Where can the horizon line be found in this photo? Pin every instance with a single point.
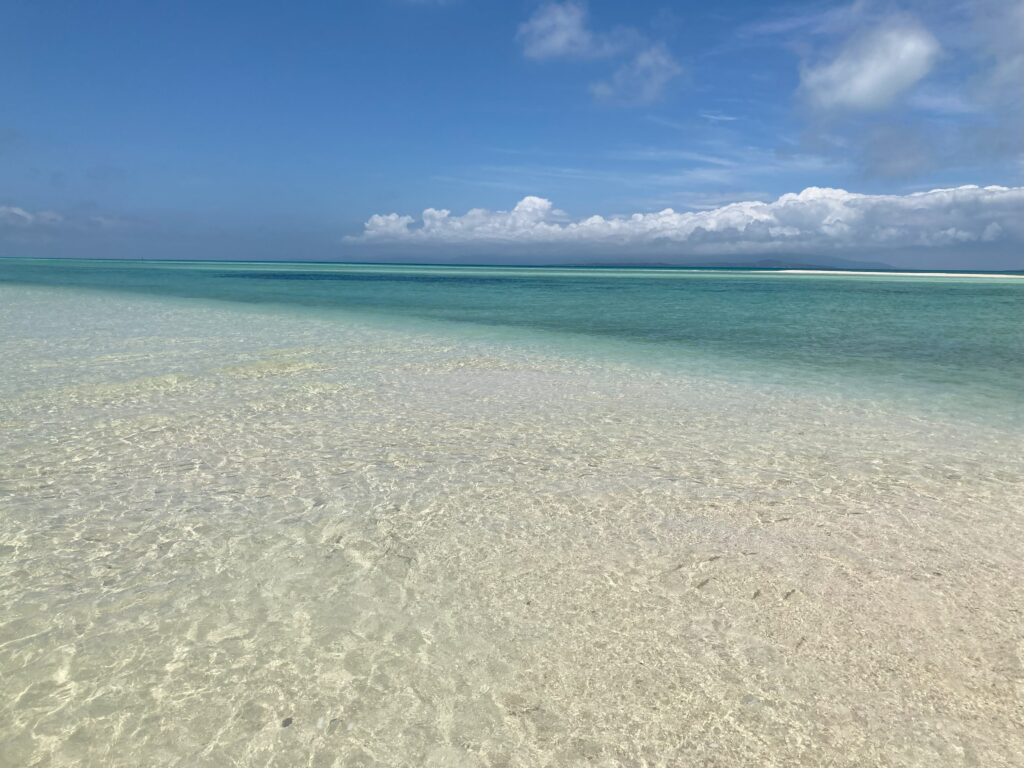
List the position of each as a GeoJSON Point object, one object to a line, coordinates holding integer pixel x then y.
{"type": "Point", "coordinates": [793, 270]}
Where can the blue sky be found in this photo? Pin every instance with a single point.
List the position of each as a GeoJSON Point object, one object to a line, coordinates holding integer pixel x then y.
{"type": "Point", "coordinates": [256, 130]}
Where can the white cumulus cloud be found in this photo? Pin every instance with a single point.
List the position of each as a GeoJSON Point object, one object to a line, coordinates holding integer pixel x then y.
{"type": "Point", "coordinates": [815, 220]}
{"type": "Point", "coordinates": [873, 68]}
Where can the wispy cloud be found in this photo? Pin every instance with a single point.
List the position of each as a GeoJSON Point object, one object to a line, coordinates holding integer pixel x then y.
{"type": "Point", "coordinates": [17, 217]}
{"type": "Point", "coordinates": [687, 173]}
{"type": "Point", "coordinates": [943, 102]}
{"type": "Point", "coordinates": [710, 169]}
{"type": "Point", "coordinates": [716, 117]}
{"type": "Point", "coordinates": [999, 31]}
{"type": "Point", "coordinates": [642, 80]}
{"type": "Point", "coordinates": [562, 30]}
{"type": "Point", "coordinates": [663, 154]}
{"type": "Point", "coordinates": [815, 20]}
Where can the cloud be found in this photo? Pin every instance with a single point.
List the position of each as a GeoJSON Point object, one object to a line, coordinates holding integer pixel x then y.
{"type": "Point", "coordinates": [816, 21]}
{"type": "Point", "coordinates": [11, 216]}
{"type": "Point", "coordinates": [999, 37]}
{"type": "Point", "coordinates": [816, 220]}
{"type": "Point", "coordinates": [716, 117]}
{"type": "Point", "coordinates": [561, 30]}
{"type": "Point", "coordinates": [641, 80]}
{"type": "Point", "coordinates": [16, 221]}
{"type": "Point", "coordinates": [911, 97]}
{"type": "Point", "coordinates": [531, 217]}
{"type": "Point", "coordinates": [873, 68]}
{"type": "Point", "coordinates": [1001, 26]}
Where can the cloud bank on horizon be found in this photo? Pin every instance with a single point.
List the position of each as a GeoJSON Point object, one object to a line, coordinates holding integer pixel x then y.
{"type": "Point", "coordinates": [817, 220]}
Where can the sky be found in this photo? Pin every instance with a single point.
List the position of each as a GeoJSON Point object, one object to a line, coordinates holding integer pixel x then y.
{"type": "Point", "coordinates": [515, 131]}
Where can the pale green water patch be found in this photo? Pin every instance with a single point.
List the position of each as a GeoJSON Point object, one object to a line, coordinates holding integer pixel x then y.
{"type": "Point", "coordinates": [941, 343]}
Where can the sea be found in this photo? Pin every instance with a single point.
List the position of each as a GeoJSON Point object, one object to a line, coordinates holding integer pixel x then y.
{"type": "Point", "coordinates": [280, 514]}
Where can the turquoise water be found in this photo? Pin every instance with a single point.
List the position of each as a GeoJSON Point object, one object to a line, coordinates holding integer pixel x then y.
{"type": "Point", "coordinates": [280, 515]}
{"type": "Point", "coordinates": [945, 342]}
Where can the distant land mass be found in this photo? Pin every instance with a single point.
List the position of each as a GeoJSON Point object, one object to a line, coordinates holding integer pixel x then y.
{"type": "Point", "coordinates": [784, 263]}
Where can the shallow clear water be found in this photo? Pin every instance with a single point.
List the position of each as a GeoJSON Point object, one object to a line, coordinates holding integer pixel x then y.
{"type": "Point", "coordinates": [418, 521]}
{"type": "Point", "coordinates": [958, 342]}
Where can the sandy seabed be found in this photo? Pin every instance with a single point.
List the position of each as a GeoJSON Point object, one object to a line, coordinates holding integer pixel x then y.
{"type": "Point", "coordinates": [241, 537]}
